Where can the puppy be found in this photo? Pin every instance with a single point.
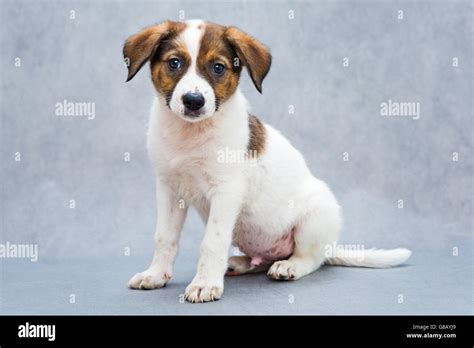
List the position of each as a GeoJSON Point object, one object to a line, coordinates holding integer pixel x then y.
{"type": "Point", "coordinates": [251, 187]}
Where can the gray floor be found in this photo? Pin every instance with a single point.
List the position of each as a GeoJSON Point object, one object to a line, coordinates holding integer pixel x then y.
{"type": "Point", "coordinates": [430, 283]}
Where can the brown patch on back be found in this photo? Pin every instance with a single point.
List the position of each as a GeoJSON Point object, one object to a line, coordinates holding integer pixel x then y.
{"type": "Point", "coordinates": [257, 136]}
{"type": "Point", "coordinates": [214, 49]}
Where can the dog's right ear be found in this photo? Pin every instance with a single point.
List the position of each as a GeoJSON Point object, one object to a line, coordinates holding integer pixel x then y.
{"type": "Point", "coordinates": [139, 48]}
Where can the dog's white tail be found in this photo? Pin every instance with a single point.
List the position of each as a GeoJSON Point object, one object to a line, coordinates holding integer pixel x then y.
{"type": "Point", "coordinates": [373, 258]}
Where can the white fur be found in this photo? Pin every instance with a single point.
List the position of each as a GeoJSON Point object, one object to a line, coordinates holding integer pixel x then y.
{"type": "Point", "coordinates": [251, 200]}
{"type": "Point", "coordinates": [191, 81]}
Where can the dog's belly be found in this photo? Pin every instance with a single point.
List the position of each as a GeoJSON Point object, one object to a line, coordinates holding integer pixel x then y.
{"type": "Point", "coordinates": [261, 245]}
{"type": "Point", "coordinates": [266, 251]}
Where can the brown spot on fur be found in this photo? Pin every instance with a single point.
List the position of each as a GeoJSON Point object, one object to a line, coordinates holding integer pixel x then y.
{"type": "Point", "coordinates": [139, 48]}
{"type": "Point", "coordinates": [214, 49]}
{"type": "Point", "coordinates": [163, 78]}
{"type": "Point", "coordinates": [257, 136]}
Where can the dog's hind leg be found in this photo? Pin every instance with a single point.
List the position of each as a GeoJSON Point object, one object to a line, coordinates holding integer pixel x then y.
{"type": "Point", "coordinates": [317, 230]}
{"type": "Point", "coordinates": [238, 265]}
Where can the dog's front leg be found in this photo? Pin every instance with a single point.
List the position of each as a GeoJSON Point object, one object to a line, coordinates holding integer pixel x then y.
{"type": "Point", "coordinates": [171, 213]}
{"type": "Point", "coordinates": [208, 283]}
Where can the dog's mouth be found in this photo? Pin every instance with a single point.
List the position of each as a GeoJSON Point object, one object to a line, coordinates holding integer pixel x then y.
{"type": "Point", "coordinates": [193, 113]}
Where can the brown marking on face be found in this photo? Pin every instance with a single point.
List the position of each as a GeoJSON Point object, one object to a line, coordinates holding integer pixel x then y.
{"type": "Point", "coordinates": [164, 79]}
{"type": "Point", "coordinates": [140, 48]}
{"type": "Point", "coordinates": [257, 136]}
{"type": "Point", "coordinates": [215, 49]}
{"type": "Point", "coordinates": [219, 45]}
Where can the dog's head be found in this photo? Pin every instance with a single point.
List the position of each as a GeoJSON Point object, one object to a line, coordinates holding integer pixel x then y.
{"type": "Point", "coordinates": [196, 65]}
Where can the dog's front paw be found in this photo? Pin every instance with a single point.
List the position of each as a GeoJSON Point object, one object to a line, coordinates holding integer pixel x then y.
{"type": "Point", "coordinates": [203, 293]}
{"type": "Point", "coordinates": [149, 280]}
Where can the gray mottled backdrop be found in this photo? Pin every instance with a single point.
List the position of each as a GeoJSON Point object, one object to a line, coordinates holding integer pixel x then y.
{"type": "Point", "coordinates": [401, 181]}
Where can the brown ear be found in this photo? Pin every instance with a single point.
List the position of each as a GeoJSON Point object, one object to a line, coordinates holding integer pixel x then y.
{"type": "Point", "coordinates": [139, 48]}
{"type": "Point", "coordinates": [252, 53]}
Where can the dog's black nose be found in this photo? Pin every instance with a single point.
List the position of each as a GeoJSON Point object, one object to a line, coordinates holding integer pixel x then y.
{"type": "Point", "coordinates": [193, 100]}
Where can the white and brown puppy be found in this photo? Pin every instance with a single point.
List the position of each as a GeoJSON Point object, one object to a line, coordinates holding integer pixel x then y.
{"type": "Point", "coordinates": [248, 183]}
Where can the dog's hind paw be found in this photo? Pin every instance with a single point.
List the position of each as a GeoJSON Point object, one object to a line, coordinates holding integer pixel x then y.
{"type": "Point", "coordinates": [283, 270]}
{"type": "Point", "coordinates": [238, 265]}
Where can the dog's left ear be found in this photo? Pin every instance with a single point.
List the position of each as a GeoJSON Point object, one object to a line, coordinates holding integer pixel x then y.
{"type": "Point", "coordinates": [139, 48]}
{"type": "Point", "coordinates": [252, 53]}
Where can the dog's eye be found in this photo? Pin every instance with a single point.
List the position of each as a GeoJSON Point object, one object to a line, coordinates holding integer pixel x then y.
{"type": "Point", "coordinates": [174, 64]}
{"type": "Point", "coordinates": [218, 69]}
